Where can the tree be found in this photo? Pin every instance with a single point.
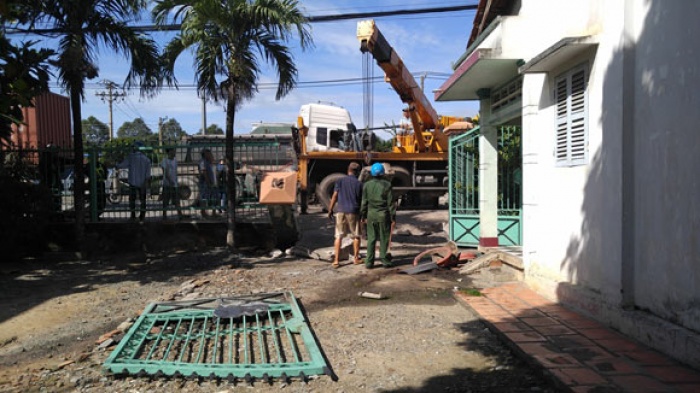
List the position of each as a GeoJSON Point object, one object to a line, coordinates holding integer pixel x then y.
{"type": "Point", "coordinates": [172, 131]}
{"type": "Point", "coordinates": [134, 129]}
{"type": "Point", "coordinates": [95, 132]}
{"type": "Point", "coordinates": [213, 129]}
{"type": "Point", "coordinates": [81, 28]}
{"type": "Point", "coordinates": [384, 145]}
{"type": "Point", "coordinates": [228, 38]}
{"type": "Point", "coordinates": [24, 71]}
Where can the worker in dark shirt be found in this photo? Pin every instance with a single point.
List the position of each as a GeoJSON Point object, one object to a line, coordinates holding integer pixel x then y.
{"type": "Point", "coordinates": [377, 209]}
{"type": "Point", "coordinates": [347, 193]}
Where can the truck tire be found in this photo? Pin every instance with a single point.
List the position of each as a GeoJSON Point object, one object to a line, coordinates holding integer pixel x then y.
{"type": "Point", "coordinates": [189, 192]}
{"type": "Point", "coordinates": [324, 190]}
{"type": "Point", "coordinates": [114, 198]}
{"type": "Point", "coordinates": [401, 178]}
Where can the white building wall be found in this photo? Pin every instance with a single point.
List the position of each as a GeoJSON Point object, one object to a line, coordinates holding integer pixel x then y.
{"type": "Point", "coordinates": [624, 229]}
{"type": "Point", "coordinates": [571, 214]}
{"type": "Point", "coordinates": [575, 219]}
{"type": "Point", "coordinates": [667, 155]}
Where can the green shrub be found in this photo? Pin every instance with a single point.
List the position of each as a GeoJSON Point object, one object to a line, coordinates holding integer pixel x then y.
{"type": "Point", "coordinates": [25, 210]}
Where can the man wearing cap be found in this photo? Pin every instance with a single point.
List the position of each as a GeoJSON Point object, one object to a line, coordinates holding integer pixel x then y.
{"type": "Point", "coordinates": [379, 212]}
{"type": "Point", "coordinates": [139, 179]}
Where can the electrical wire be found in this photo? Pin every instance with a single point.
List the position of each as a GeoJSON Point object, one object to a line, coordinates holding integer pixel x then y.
{"type": "Point", "coordinates": [311, 19]}
{"type": "Point", "coordinates": [303, 84]}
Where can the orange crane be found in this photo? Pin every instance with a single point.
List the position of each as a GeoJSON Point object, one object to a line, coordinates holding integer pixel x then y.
{"type": "Point", "coordinates": [428, 127]}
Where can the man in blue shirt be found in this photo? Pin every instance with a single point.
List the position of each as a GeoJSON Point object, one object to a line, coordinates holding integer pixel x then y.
{"type": "Point", "coordinates": [348, 194]}
{"type": "Point", "coordinates": [139, 167]}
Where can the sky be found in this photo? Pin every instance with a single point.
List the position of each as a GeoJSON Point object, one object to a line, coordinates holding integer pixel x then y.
{"type": "Point", "coordinates": [427, 43]}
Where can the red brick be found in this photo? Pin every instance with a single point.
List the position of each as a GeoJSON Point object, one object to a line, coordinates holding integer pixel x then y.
{"type": "Point", "coordinates": [531, 313]}
{"type": "Point", "coordinates": [502, 318]}
{"type": "Point", "coordinates": [512, 285]}
{"type": "Point", "coordinates": [540, 321]}
{"type": "Point", "coordinates": [581, 323]}
{"type": "Point", "coordinates": [618, 345]}
{"type": "Point", "coordinates": [553, 309]}
{"type": "Point", "coordinates": [648, 358]}
{"type": "Point", "coordinates": [639, 384]}
{"type": "Point", "coordinates": [564, 314]}
{"type": "Point", "coordinates": [506, 327]}
{"type": "Point", "coordinates": [599, 334]}
{"type": "Point", "coordinates": [534, 349]}
{"type": "Point", "coordinates": [588, 354]}
{"type": "Point", "coordinates": [556, 361]}
{"type": "Point", "coordinates": [674, 374]}
{"type": "Point", "coordinates": [613, 366]}
{"type": "Point", "coordinates": [490, 310]}
{"type": "Point", "coordinates": [554, 330]}
{"type": "Point", "coordinates": [570, 341]}
{"type": "Point", "coordinates": [525, 337]}
{"type": "Point", "coordinates": [578, 376]}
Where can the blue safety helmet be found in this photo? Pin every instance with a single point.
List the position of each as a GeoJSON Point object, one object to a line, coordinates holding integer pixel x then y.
{"type": "Point", "coordinates": [377, 169]}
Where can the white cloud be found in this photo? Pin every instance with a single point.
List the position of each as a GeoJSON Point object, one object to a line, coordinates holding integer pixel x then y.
{"type": "Point", "coordinates": [425, 43]}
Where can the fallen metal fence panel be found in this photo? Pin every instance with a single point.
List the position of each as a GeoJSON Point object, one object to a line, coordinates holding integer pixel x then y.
{"type": "Point", "coordinates": [257, 336]}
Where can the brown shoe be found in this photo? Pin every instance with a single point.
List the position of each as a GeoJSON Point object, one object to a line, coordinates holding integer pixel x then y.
{"type": "Point", "coordinates": [335, 265]}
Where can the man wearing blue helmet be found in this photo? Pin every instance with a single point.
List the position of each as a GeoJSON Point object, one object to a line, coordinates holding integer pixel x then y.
{"type": "Point", "coordinates": [379, 212]}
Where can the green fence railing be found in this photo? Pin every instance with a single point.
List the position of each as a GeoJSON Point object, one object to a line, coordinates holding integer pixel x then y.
{"type": "Point", "coordinates": [107, 192]}
{"type": "Point", "coordinates": [464, 187]}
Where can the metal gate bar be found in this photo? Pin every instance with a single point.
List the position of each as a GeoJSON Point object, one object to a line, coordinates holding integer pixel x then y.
{"type": "Point", "coordinates": [187, 339]}
{"type": "Point", "coordinates": [464, 187]}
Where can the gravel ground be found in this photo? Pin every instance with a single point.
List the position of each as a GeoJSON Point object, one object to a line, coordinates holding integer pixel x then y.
{"type": "Point", "coordinates": [418, 339]}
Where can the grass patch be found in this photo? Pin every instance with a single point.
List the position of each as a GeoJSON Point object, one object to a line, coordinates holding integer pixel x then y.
{"type": "Point", "coordinates": [470, 291]}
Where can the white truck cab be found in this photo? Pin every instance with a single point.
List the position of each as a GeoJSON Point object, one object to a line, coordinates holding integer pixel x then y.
{"type": "Point", "coordinates": [328, 126]}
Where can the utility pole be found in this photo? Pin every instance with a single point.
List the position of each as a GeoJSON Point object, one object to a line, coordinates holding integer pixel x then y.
{"type": "Point", "coordinates": [160, 131]}
{"type": "Point", "coordinates": [161, 121]}
{"type": "Point", "coordinates": [204, 114]}
{"type": "Point", "coordinates": [110, 96]}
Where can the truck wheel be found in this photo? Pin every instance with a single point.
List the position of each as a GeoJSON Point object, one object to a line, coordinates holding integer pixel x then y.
{"type": "Point", "coordinates": [401, 178]}
{"type": "Point", "coordinates": [114, 198]}
{"type": "Point", "coordinates": [241, 191]}
{"type": "Point", "coordinates": [189, 192]}
{"type": "Point", "coordinates": [324, 190]}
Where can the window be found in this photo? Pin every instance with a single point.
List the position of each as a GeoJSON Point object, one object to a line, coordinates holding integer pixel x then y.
{"type": "Point", "coordinates": [571, 98]}
{"type": "Point", "coordinates": [322, 136]}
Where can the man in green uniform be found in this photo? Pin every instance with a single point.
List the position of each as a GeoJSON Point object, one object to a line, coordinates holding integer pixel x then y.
{"type": "Point", "coordinates": [379, 212]}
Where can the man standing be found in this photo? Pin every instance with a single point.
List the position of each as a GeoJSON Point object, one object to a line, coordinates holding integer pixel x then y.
{"type": "Point", "coordinates": [347, 193]}
{"type": "Point", "coordinates": [208, 186]}
{"type": "Point", "coordinates": [139, 179]}
{"type": "Point", "coordinates": [170, 190]}
{"type": "Point", "coordinates": [379, 211]}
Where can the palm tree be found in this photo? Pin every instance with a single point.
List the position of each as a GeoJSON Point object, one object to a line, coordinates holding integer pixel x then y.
{"type": "Point", "coordinates": [81, 27]}
{"type": "Point", "coordinates": [228, 37]}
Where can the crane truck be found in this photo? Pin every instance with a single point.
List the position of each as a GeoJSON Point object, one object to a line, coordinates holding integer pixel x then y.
{"type": "Point", "coordinates": [326, 140]}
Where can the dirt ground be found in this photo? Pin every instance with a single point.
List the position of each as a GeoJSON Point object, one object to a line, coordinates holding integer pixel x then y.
{"type": "Point", "coordinates": [418, 339]}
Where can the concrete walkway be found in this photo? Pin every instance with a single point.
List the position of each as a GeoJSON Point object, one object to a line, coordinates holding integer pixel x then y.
{"type": "Point", "coordinates": [578, 352]}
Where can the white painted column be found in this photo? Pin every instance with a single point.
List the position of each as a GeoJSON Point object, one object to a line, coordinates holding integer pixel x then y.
{"type": "Point", "coordinates": [488, 174]}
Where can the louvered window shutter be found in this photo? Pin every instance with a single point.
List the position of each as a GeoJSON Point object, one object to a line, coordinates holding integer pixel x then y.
{"type": "Point", "coordinates": [571, 145]}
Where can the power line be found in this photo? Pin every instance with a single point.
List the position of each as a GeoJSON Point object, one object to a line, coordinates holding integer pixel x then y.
{"type": "Point", "coordinates": [311, 19]}
{"type": "Point", "coordinates": [307, 84]}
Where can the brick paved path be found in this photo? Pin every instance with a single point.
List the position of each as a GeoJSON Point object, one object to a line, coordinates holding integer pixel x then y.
{"type": "Point", "coordinates": [580, 353]}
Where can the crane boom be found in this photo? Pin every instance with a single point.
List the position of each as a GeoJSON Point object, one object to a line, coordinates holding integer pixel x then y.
{"type": "Point", "coordinates": [423, 116]}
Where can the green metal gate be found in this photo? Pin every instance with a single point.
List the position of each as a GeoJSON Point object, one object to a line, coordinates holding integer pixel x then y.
{"type": "Point", "coordinates": [259, 336]}
{"type": "Point", "coordinates": [464, 187]}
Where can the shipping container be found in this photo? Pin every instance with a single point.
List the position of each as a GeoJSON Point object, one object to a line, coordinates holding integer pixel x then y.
{"type": "Point", "coordinates": [48, 122]}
